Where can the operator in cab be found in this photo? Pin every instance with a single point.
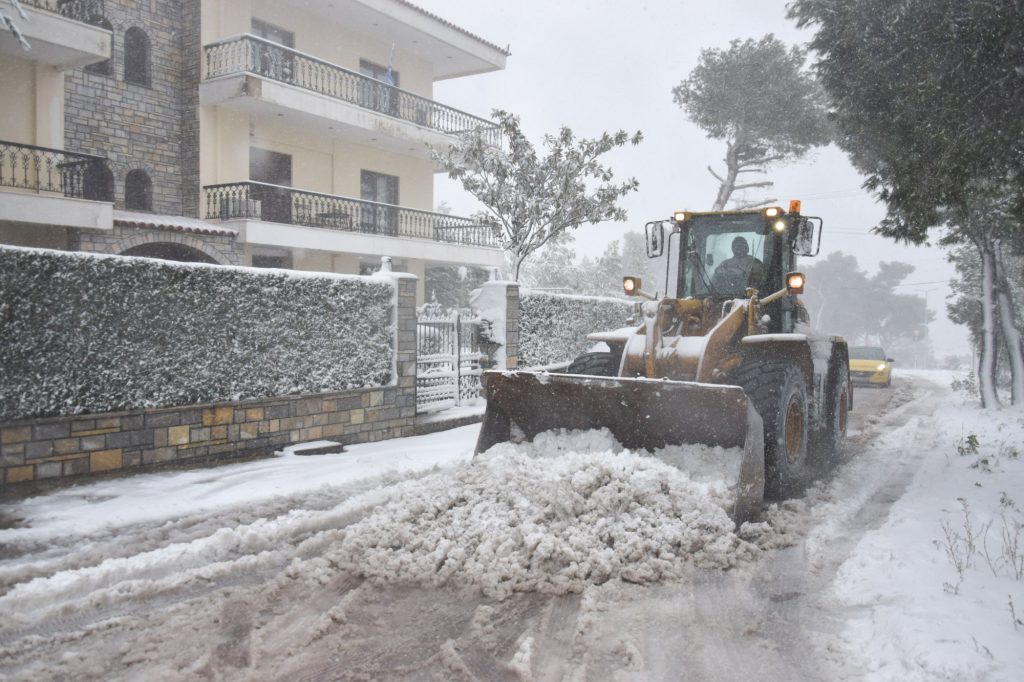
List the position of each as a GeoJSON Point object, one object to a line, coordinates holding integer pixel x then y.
{"type": "Point", "coordinates": [735, 274]}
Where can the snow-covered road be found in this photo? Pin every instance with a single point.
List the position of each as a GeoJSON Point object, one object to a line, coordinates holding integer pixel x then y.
{"type": "Point", "coordinates": [354, 566]}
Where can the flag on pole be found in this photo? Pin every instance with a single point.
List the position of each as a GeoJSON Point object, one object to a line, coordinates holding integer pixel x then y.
{"type": "Point", "coordinates": [389, 75]}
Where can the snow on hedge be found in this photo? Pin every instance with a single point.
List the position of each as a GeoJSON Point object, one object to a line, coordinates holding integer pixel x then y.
{"type": "Point", "coordinates": [568, 510]}
{"type": "Point", "coordinates": [553, 328]}
{"type": "Point", "coordinates": [85, 333]}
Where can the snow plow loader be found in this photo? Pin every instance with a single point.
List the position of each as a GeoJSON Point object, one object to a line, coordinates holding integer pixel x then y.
{"type": "Point", "coordinates": [712, 362]}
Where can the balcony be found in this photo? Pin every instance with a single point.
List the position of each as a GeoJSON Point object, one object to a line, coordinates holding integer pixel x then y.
{"type": "Point", "coordinates": [66, 34]}
{"type": "Point", "coordinates": [276, 204]}
{"type": "Point", "coordinates": [257, 76]}
{"type": "Point", "coordinates": [293, 218]}
{"type": "Point", "coordinates": [55, 187]}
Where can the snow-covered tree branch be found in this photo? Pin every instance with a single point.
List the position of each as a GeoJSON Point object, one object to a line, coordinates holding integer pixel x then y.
{"type": "Point", "coordinates": [531, 199]}
{"type": "Point", "coordinates": [9, 23]}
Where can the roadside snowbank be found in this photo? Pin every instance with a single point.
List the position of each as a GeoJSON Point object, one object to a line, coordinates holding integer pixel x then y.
{"type": "Point", "coordinates": [552, 516]}
{"type": "Point", "coordinates": [926, 603]}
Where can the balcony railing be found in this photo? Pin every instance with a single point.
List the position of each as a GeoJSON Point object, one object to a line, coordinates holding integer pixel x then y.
{"type": "Point", "coordinates": [86, 11]}
{"type": "Point", "coordinates": [277, 204]}
{"type": "Point", "coordinates": [38, 169]}
{"type": "Point", "coordinates": [248, 53]}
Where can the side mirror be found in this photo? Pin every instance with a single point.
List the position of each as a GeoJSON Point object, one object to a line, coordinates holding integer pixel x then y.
{"type": "Point", "coordinates": [890, 359]}
{"type": "Point", "coordinates": [655, 238]}
{"type": "Point", "coordinates": [807, 237]}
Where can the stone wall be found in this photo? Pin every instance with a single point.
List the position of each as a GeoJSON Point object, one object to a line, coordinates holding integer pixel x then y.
{"type": "Point", "coordinates": [224, 249]}
{"type": "Point", "coordinates": [69, 446]}
{"type": "Point", "coordinates": [56, 447]}
{"type": "Point", "coordinates": [151, 128]}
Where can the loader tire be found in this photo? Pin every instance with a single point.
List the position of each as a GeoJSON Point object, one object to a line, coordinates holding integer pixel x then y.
{"type": "Point", "coordinates": [827, 442]}
{"type": "Point", "coordinates": [600, 364]}
{"type": "Point", "coordinates": [779, 394]}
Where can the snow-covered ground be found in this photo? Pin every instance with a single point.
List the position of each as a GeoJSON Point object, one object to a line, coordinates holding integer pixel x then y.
{"type": "Point", "coordinates": [937, 591]}
{"type": "Point", "coordinates": [568, 558]}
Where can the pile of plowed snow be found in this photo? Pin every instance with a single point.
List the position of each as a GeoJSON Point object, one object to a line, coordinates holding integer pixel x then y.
{"type": "Point", "coordinates": [568, 510]}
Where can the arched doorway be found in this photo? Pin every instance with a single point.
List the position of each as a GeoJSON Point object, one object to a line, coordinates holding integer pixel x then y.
{"type": "Point", "coordinates": [169, 251]}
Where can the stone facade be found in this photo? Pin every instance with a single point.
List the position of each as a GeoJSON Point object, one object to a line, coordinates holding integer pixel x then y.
{"type": "Point", "coordinates": [223, 249]}
{"type": "Point", "coordinates": [154, 128]}
{"type": "Point", "coordinates": [56, 447]}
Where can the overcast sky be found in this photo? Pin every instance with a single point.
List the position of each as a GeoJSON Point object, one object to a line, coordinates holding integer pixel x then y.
{"type": "Point", "coordinates": [602, 65]}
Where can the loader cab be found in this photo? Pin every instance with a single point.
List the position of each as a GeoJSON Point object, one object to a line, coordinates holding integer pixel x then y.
{"type": "Point", "coordinates": [720, 255]}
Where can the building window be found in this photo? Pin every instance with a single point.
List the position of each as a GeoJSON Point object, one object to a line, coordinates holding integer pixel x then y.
{"type": "Point", "coordinates": [104, 68]}
{"type": "Point", "coordinates": [99, 183]}
{"type": "Point", "coordinates": [272, 168]}
{"type": "Point", "coordinates": [378, 94]}
{"type": "Point", "coordinates": [274, 34]}
{"type": "Point", "coordinates": [263, 260]}
{"type": "Point", "coordinates": [138, 191]}
{"type": "Point", "coordinates": [381, 189]}
{"type": "Point", "coordinates": [136, 57]}
{"type": "Point", "coordinates": [274, 62]}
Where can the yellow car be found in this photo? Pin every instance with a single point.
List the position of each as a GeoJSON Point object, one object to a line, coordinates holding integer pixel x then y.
{"type": "Point", "coordinates": [868, 365]}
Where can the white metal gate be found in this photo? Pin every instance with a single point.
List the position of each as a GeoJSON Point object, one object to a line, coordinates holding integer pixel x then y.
{"type": "Point", "coordinates": [447, 360]}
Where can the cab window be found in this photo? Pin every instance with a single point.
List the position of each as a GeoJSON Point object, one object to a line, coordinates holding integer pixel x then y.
{"type": "Point", "coordinates": [724, 257]}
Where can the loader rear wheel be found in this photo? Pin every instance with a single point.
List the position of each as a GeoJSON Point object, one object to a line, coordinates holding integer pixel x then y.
{"type": "Point", "coordinates": [599, 364]}
{"type": "Point", "coordinates": [779, 394]}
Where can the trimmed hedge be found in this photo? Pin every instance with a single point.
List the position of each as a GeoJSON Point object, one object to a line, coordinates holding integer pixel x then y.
{"type": "Point", "coordinates": [83, 333]}
{"type": "Point", "coordinates": [553, 328]}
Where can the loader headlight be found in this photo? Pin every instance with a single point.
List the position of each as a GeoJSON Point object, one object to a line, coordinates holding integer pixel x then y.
{"type": "Point", "coordinates": [680, 216]}
{"type": "Point", "coordinates": [631, 285]}
{"type": "Point", "coordinates": [779, 226]}
{"type": "Point", "coordinates": [772, 212]}
{"type": "Point", "coordinates": [881, 367]}
{"type": "Point", "coordinates": [795, 283]}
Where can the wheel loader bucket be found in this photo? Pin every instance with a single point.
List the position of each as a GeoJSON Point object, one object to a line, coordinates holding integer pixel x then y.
{"type": "Point", "coordinates": [642, 414]}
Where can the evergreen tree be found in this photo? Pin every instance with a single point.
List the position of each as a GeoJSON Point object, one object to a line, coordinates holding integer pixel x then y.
{"type": "Point", "coordinates": [756, 97]}
{"type": "Point", "coordinates": [928, 102]}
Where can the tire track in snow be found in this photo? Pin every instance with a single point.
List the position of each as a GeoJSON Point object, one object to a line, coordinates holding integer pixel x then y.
{"type": "Point", "coordinates": [711, 624]}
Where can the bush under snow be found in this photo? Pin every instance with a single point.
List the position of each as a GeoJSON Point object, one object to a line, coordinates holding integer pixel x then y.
{"type": "Point", "coordinates": [84, 333]}
{"type": "Point", "coordinates": [553, 328]}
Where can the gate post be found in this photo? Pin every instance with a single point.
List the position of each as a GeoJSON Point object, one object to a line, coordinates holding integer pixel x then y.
{"type": "Point", "coordinates": [498, 304]}
{"type": "Point", "coordinates": [405, 356]}
{"type": "Point", "coordinates": [458, 358]}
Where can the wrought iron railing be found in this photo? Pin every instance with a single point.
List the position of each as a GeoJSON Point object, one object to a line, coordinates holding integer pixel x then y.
{"type": "Point", "coordinates": [274, 203]}
{"type": "Point", "coordinates": [86, 11]}
{"type": "Point", "coordinates": [248, 53]}
{"type": "Point", "coordinates": [38, 169]}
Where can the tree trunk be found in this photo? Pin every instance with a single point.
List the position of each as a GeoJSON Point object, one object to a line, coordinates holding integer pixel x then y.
{"type": "Point", "coordinates": [1011, 335]}
{"type": "Point", "coordinates": [725, 189]}
{"type": "Point", "coordinates": [518, 265]}
{"type": "Point", "coordinates": [987, 361]}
